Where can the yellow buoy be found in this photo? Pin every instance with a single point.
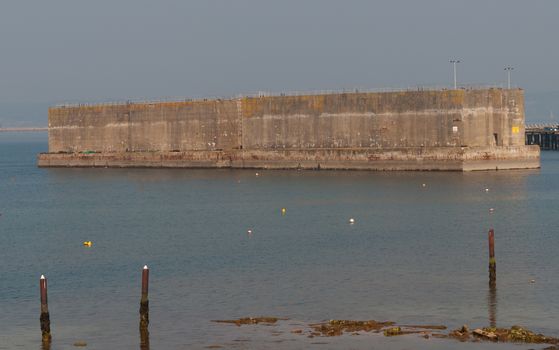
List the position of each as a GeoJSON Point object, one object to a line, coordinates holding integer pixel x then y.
{"type": "Point", "coordinates": [283, 211]}
{"type": "Point", "coordinates": [88, 243]}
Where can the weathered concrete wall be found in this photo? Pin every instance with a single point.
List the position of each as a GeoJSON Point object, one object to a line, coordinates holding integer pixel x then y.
{"type": "Point", "coordinates": [410, 158]}
{"type": "Point", "coordinates": [198, 125]}
{"type": "Point", "coordinates": [411, 130]}
{"type": "Point", "coordinates": [385, 120]}
{"type": "Point", "coordinates": [499, 120]}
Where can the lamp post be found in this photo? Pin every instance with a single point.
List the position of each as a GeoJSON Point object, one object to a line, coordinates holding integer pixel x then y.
{"type": "Point", "coordinates": [454, 62]}
{"type": "Point", "coordinates": [508, 70]}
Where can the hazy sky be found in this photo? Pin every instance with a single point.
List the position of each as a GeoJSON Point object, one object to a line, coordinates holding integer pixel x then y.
{"type": "Point", "coordinates": [70, 50]}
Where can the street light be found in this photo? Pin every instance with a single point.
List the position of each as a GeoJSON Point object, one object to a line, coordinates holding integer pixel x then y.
{"type": "Point", "coordinates": [454, 63]}
{"type": "Point", "coordinates": [508, 70]}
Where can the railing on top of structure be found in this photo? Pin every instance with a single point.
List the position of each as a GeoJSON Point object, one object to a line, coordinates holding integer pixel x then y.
{"type": "Point", "coordinates": [285, 93]}
{"type": "Point", "coordinates": [542, 127]}
{"type": "Point", "coordinates": [545, 135]}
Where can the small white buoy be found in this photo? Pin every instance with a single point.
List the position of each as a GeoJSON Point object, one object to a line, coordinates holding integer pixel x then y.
{"type": "Point", "coordinates": [487, 190]}
{"type": "Point", "coordinates": [491, 210]}
{"type": "Point", "coordinates": [352, 221]}
{"type": "Point", "coordinates": [249, 231]}
{"type": "Point", "coordinates": [532, 281]}
{"type": "Point", "coordinates": [423, 185]}
{"type": "Point", "coordinates": [257, 174]}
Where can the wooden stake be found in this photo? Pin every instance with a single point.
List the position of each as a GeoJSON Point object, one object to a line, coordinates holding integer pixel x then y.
{"type": "Point", "coordinates": [45, 317]}
{"type": "Point", "coordinates": [492, 304]}
{"type": "Point", "coordinates": [144, 302]}
{"type": "Point", "coordinates": [144, 338]}
{"type": "Point", "coordinates": [492, 261]}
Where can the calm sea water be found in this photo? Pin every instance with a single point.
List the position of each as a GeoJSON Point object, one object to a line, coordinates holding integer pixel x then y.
{"type": "Point", "coordinates": [414, 255]}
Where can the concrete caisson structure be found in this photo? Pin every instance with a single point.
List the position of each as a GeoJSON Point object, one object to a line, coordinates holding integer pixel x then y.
{"type": "Point", "coordinates": [463, 129]}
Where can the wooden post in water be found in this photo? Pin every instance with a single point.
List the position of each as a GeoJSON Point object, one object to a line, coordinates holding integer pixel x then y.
{"type": "Point", "coordinates": [144, 310]}
{"type": "Point", "coordinates": [492, 262]}
{"type": "Point", "coordinates": [492, 304]}
{"type": "Point", "coordinates": [45, 317]}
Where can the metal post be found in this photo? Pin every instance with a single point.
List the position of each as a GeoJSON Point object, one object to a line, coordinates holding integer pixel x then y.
{"type": "Point", "coordinates": [454, 62]}
{"type": "Point", "coordinates": [508, 70]}
{"type": "Point", "coordinates": [454, 75]}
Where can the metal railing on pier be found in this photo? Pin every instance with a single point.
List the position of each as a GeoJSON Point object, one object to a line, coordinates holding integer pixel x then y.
{"type": "Point", "coordinates": [546, 135]}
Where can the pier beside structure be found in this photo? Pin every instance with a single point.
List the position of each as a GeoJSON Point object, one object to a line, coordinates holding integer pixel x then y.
{"type": "Point", "coordinates": [460, 130]}
{"type": "Point", "coordinates": [544, 135]}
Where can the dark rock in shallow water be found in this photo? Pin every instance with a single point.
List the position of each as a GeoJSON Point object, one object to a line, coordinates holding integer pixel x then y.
{"type": "Point", "coordinates": [462, 334]}
{"type": "Point", "coordinates": [251, 320]}
{"type": "Point", "coordinates": [390, 332]}
{"type": "Point", "coordinates": [338, 327]}
{"type": "Point", "coordinates": [515, 334]}
{"type": "Point", "coordinates": [332, 328]}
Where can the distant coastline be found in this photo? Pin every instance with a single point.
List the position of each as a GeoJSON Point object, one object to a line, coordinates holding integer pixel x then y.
{"type": "Point", "coordinates": [23, 129]}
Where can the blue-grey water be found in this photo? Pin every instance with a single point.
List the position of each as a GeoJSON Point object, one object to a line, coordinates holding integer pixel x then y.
{"type": "Point", "coordinates": [416, 254]}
